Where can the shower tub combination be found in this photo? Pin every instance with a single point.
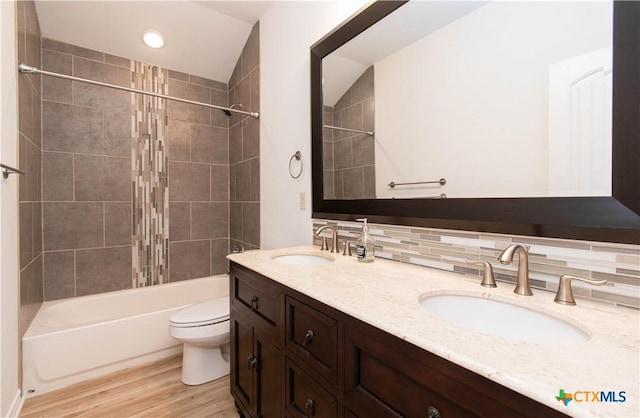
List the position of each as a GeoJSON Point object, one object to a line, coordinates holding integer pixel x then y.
{"type": "Point", "coordinates": [72, 340]}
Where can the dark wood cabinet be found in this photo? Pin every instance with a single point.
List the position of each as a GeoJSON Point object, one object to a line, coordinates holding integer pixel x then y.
{"type": "Point", "coordinates": [296, 357]}
{"type": "Point", "coordinates": [257, 360]}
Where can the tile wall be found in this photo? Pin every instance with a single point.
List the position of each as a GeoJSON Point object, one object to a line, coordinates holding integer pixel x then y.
{"type": "Point", "coordinates": [349, 158]}
{"type": "Point", "coordinates": [549, 258]}
{"type": "Point", "coordinates": [30, 157]}
{"type": "Point", "coordinates": [244, 147]}
{"type": "Point", "coordinates": [86, 171]}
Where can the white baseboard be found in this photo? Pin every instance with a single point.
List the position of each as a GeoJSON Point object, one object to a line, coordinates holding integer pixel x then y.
{"type": "Point", "coordinates": [16, 405]}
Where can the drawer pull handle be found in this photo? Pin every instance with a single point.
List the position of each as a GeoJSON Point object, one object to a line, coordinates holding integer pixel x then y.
{"type": "Point", "coordinates": [308, 337]}
{"type": "Point", "coordinates": [254, 303]}
{"type": "Point", "coordinates": [252, 361]}
{"type": "Point", "coordinates": [308, 407]}
{"type": "Point", "coordinates": [432, 412]}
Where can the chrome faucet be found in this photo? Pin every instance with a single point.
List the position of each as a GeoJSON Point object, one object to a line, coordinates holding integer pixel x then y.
{"type": "Point", "coordinates": [334, 237]}
{"type": "Point", "coordinates": [522, 285]}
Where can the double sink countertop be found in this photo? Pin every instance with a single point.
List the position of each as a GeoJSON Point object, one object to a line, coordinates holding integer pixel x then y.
{"type": "Point", "coordinates": [386, 295]}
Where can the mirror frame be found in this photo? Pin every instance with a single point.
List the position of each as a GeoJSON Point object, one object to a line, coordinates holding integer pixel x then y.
{"type": "Point", "coordinates": [607, 219]}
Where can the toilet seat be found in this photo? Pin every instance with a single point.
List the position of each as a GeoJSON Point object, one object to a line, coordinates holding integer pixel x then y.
{"type": "Point", "coordinates": [202, 314]}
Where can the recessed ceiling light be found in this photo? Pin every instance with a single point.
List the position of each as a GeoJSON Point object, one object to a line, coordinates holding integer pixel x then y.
{"type": "Point", "coordinates": [153, 38]}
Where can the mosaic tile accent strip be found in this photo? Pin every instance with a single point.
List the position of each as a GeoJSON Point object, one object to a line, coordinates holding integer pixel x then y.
{"type": "Point", "coordinates": [549, 258]}
{"type": "Point", "coordinates": [150, 184]}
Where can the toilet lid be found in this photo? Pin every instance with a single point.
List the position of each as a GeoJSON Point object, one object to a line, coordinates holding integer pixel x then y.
{"type": "Point", "coordinates": [205, 313]}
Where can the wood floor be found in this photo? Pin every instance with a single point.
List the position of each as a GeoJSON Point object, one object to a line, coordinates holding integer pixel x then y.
{"type": "Point", "coordinates": [152, 390]}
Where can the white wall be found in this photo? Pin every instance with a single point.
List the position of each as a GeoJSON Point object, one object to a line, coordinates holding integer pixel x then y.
{"type": "Point", "coordinates": [9, 391]}
{"type": "Point", "coordinates": [431, 110]}
{"type": "Point", "coordinates": [287, 31]}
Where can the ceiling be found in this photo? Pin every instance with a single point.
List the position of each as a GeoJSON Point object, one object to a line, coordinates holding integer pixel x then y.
{"type": "Point", "coordinates": [203, 38]}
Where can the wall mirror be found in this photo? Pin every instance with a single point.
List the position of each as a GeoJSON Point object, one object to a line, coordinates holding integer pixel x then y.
{"type": "Point", "coordinates": [512, 117]}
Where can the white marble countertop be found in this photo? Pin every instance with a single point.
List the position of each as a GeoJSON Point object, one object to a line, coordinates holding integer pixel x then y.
{"type": "Point", "coordinates": [385, 294]}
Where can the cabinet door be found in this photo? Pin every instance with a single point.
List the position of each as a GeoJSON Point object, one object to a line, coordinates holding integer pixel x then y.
{"type": "Point", "coordinates": [304, 397]}
{"type": "Point", "coordinates": [241, 364]}
{"type": "Point", "coordinates": [269, 380]}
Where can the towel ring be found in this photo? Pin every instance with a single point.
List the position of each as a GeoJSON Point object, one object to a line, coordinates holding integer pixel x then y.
{"type": "Point", "coordinates": [298, 157]}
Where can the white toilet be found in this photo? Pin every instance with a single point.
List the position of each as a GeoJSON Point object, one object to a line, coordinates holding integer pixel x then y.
{"type": "Point", "coordinates": [204, 330]}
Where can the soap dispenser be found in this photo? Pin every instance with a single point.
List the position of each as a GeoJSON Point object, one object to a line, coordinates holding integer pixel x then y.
{"type": "Point", "coordinates": [365, 245]}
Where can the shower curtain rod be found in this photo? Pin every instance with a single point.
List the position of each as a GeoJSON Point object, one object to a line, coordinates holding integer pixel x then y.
{"type": "Point", "coordinates": [23, 68]}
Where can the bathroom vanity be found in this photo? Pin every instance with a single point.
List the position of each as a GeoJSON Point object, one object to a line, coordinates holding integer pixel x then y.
{"type": "Point", "coordinates": [345, 339]}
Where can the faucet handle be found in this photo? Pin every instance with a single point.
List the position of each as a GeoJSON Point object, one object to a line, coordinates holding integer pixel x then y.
{"type": "Point", "coordinates": [564, 296]}
{"type": "Point", "coordinates": [347, 248]}
{"type": "Point", "coordinates": [487, 279]}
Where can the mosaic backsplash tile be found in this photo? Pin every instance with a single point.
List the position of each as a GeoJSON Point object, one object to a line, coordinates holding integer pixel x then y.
{"type": "Point", "coordinates": [549, 258]}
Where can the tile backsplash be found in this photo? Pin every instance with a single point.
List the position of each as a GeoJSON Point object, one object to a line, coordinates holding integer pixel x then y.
{"type": "Point", "coordinates": [549, 258]}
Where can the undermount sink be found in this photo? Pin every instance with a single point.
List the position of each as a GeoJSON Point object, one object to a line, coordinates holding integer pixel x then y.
{"type": "Point", "coordinates": [303, 259]}
{"type": "Point", "coordinates": [502, 319]}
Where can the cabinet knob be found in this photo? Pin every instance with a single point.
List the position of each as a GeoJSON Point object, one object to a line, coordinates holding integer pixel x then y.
{"type": "Point", "coordinates": [254, 303]}
{"type": "Point", "coordinates": [307, 338]}
{"type": "Point", "coordinates": [308, 408]}
{"type": "Point", "coordinates": [433, 412]}
{"type": "Point", "coordinates": [252, 361]}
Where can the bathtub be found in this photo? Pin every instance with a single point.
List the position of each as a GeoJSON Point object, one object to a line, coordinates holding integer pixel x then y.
{"type": "Point", "coordinates": [71, 340]}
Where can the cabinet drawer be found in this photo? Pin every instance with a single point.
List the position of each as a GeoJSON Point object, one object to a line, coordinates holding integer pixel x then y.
{"type": "Point", "coordinates": [304, 397]}
{"type": "Point", "coordinates": [313, 337]}
{"type": "Point", "coordinates": [257, 293]}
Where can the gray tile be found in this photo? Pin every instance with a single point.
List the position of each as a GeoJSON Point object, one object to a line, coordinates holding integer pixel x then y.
{"type": "Point", "coordinates": [250, 138]}
{"type": "Point", "coordinates": [119, 61]}
{"type": "Point", "coordinates": [36, 213]}
{"type": "Point", "coordinates": [26, 233]}
{"type": "Point", "coordinates": [59, 275]}
{"type": "Point", "coordinates": [338, 187]}
{"type": "Point", "coordinates": [57, 176]}
{"type": "Point", "coordinates": [117, 133]}
{"type": "Point", "coordinates": [21, 30]}
{"type": "Point", "coordinates": [117, 223]}
{"type": "Point", "coordinates": [177, 75]}
{"type": "Point", "coordinates": [241, 94]}
{"type": "Point", "coordinates": [25, 107]}
{"type": "Point", "coordinates": [103, 270]}
{"type": "Point", "coordinates": [72, 225]}
{"type": "Point", "coordinates": [219, 98]}
{"type": "Point", "coordinates": [232, 182]}
{"type": "Point", "coordinates": [72, 49]}
{"type": "Point", "coordinates": [369, 115]}
{"type": "Point", "coordinates": [620, 299]}
{"type": "Point", "coordinates": [99, 178]}
{"type": "Point", "coordinates": [327, 184]}
{"type": "Point", "coordinates": [72, 128]}
{"type": "Point", "coordinates": [220, 183]}
{"type": "Point", "coordinates": [189, 260]}
{"type": "Point", "coordinates": [22, 165]}
{"type": "Point", "coordinates": [53, 88]}
{"type": "Point", "coordinates": [189, 182]}
{"type": "Point", "coordinates": [34, 157]}
{"type": "Point", "coordinates": [616, 278]}
{"type": "Point", "coordinates": [30, 293]}
{"type": "Point", "coordinates": [194, 79]}
{"type": "Point", "coordinates": [363, 151]}
{"type": "Point", "coordinates": [369, 174]}
{"type": "Point", "coordinates": [251, 223]}
{"type": "Point", "coordinates": [352, 117]}
{"type": "Point", "coordinates": [353, 183]}
{"type": "Point", "coordinates": [235, 144]}
{"type": "Point", "coordinates": [362, 88]}
{"type": "Point", "coordinates": [327, 155]}
{"type": "Point", "coordinates": [243, 181]}
{"type": "Point", "coordinates": [199, 114]}
{"type": "Point", "coordinates": [342, 103]}
{"type": "Point", "coordinates": [209, 144]}
{"type": "Point", "coordinates": [254, 194]}
{"type": "Point", "coordinates": [235, 221]}
{"type": "Point", "coordinates": [179, 221]}
{"type": "Point", "coordinates": [236, 75]}
{"type": "Point", "coordinates": [117, 99]}
{"type": "Point", "coordinates": [219, 251]}
{"type": "Point", "coordinates": [87, 94]}
{"type": "Point", "coordinates": [209, 220]}
{"type": "Point", "coordinates": [342, 154]}
{"type": "Point", "coordinates": [178, 137]}
{"type": "Point", "coordinates": [255, 90]}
